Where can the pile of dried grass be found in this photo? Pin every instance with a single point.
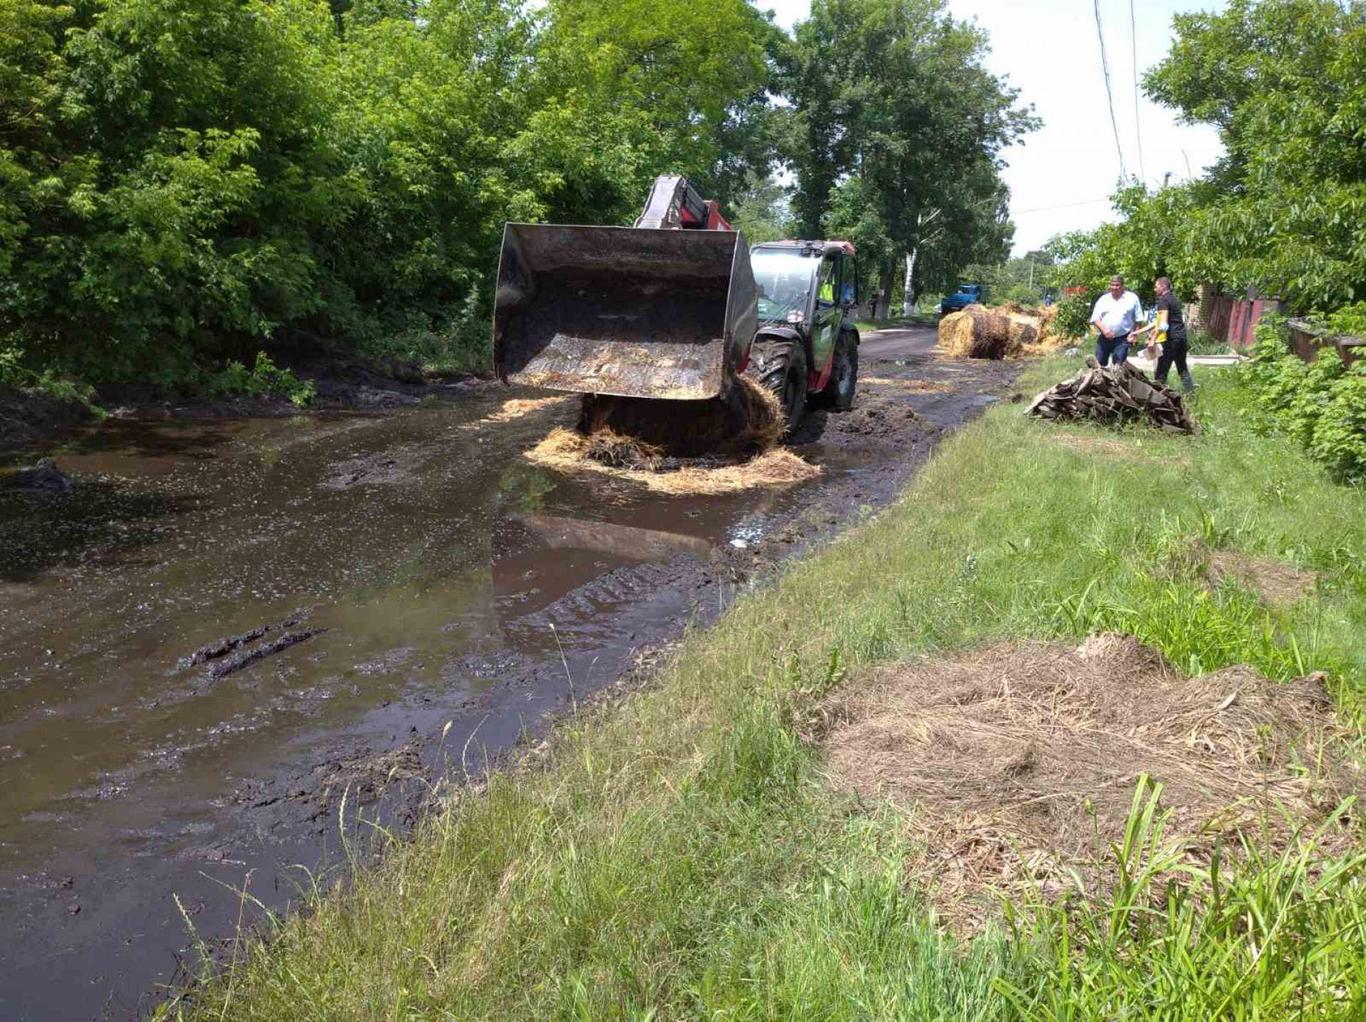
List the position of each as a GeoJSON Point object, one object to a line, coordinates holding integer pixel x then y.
{"type": "Point", "coordinates": [977, 332]}
{"type": "Point", "coordinates": [747, 420]}
{"type": "Point", "coordinates": [1006, 331]}
{"type": "Point", "coordinates": [626, 458]}
{"type": "Point", "coordinates": [680, 447]}
{"type": "Point", "coordinates": [1018, 763]}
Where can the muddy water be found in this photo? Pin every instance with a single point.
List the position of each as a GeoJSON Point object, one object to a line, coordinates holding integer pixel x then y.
{"type": "Point", "coordinates": [444, 595]}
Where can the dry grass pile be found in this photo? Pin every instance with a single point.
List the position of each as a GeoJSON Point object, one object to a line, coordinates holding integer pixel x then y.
{"type": "Point", "coordinates": [976, 332]}
{"type": "Point", "coordinates": [748, 420]}
{"type": "Point", "coordinates": [730, 444]}
{"type": "Point", "coordinates": [1032, 329]}
{"type": "Point", "coordinates": [1276, 582]}
{"type": "Point", "coordinates": [1017, 764]}
{"type": "Point", "coordinates": [1006, 331]}
{"type": "Point", "coordinates": [570, 451]}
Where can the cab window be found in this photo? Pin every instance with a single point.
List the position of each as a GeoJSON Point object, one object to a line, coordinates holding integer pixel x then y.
{"type": "Point", "coordinates": [829, 279]}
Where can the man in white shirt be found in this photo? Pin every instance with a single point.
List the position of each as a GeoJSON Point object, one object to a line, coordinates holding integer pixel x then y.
{"type": "Point", "coordinates": [1116, 314]}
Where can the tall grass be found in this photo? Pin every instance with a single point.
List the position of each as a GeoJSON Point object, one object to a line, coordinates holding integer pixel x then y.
{"type": "Point", "coordinates": [681, 856]}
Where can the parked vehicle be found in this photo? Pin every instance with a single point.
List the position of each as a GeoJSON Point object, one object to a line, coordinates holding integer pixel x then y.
{"type": "Point", "coordinates": [963, 297]}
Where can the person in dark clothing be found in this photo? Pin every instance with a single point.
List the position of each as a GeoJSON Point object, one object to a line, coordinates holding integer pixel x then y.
{"type": "Point", "coordinates": [1169, 330]}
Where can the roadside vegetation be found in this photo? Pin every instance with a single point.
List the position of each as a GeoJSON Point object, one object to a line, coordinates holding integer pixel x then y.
{"type": "Point", "coordinates": [184, 183]}
{"type": "Point", "coordinates": [1284, 83]}
{"type": "Point", "coordinates": [1320, 405]}
{"type": "Point", "coordinates": [683, 854]}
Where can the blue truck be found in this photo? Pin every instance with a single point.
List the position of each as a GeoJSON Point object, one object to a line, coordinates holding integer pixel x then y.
{"type": "Point", "coordinates": [963, 297]}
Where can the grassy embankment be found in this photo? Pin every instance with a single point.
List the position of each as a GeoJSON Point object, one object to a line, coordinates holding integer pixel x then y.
{"type": "Point", "coordinates": [682, 856]}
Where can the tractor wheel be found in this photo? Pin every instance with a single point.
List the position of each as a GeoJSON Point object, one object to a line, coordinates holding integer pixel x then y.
{"type": "Point", "coordinates": [784, 373]}
{"type": "Point", "coordinates": [839, 389]}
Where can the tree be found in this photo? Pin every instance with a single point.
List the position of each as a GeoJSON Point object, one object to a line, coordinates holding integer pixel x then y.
{"type": "Point", "coordinates": [893, 94]}
{"type": "Point", "coordinates": [1284, 211]}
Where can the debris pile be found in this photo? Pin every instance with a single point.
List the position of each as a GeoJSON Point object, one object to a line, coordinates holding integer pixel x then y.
{"type": "Point", "coordinates": [1114, 394]}
{"type": "Point", "coordinates": [1019, 762]}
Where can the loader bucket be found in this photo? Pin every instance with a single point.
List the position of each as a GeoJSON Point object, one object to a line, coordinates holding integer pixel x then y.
{"type": "Point", "coordinates": [623, 310]}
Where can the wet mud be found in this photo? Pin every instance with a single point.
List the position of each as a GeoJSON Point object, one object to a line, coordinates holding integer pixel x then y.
{"type": "Point", "coordinates": [401, 598]}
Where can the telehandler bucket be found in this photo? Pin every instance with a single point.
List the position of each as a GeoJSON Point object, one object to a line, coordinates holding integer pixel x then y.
{"type": "Point", "coordinates": [634, 312]}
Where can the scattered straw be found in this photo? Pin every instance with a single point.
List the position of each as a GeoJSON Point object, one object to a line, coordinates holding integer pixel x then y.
{"type": "Point", "coordinates": [520, 406]}
{"type": "Point", "coordinates": [568, 451]}
{"type": "Point", "coordinates": [1018, 764]}
{"type": "Point", "coordinates": [1276, 582]}
{"type": "Point", "coordinates": [912, 384]}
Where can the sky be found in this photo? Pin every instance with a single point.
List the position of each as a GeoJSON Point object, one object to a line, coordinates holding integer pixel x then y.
{"type": "Point", "coordinates": [1060, 176]}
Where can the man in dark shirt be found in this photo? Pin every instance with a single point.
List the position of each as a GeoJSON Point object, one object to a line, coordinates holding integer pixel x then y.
{"type": "Point", "coordinates": [1169, 328]}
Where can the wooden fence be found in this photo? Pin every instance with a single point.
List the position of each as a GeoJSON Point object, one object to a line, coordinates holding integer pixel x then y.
{"type": "Point", "coordinates": [1233, 320]}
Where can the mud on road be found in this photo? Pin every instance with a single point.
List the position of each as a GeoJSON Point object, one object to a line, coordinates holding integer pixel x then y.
{"type": "Point", "coordinates": [226, 625]}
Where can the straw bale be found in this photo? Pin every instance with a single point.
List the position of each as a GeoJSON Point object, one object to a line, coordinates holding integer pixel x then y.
{"type": "Point", "coordinates": [976, 332]}
{"type": "Point", "coordinates": [1017, 764]}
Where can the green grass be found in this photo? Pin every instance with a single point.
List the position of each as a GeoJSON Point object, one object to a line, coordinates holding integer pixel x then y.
{"type": "Point", "coordinates": [681, 857]}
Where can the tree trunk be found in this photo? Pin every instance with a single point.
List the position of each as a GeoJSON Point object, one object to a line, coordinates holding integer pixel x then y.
{"type": "Point", "coordinates": [908, 305]}
{"type": "Point", "coordinates": [884, 291]}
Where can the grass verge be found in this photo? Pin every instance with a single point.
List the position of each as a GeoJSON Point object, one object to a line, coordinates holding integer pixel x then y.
{"type": "Point", "coordinates": [681, 855]}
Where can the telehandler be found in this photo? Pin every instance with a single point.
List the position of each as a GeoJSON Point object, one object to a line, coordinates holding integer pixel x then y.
{"type": "Point", "coordinates": [673, 309]}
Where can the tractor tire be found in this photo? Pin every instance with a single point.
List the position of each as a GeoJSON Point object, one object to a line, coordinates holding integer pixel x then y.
{"type": "Point", "coordinates": [784, 373]}
{"type": "Point", "coordinates": [839, 389]}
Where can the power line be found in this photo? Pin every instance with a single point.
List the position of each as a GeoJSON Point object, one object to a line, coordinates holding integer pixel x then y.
{"type": "Point", "coordinates": [1109, 93]}
{"type": "Point", "coordinates": [1138, 130]}
{"type": "Point", "coordinates": [1061, 205]}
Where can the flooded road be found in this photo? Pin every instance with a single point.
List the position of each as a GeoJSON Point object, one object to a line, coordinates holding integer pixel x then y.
{"type": "Point", "coordinates": [229, 624]}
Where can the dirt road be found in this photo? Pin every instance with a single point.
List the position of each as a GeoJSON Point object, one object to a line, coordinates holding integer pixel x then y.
{"type": "Point", "coordinates": [229, 624]}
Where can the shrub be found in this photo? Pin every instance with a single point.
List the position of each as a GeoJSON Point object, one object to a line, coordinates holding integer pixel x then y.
{"type": "Point", "coordinates": [1322, 404]}
{"type": "Point", "coordinates": [1074, 314]}
{"type": "Point", "coordinates": [264, 379]}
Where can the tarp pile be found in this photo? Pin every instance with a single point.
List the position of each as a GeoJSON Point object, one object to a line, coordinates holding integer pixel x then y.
{"type": "Point", "coordinates": [1114, 394]}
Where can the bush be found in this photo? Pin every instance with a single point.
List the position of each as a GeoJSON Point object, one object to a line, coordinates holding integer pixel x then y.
{"type": "Point", "coordinates": [1321, 404]}
{"type": "Point", "coordinates": [1074, 314]}
{"type": "Point", "coordinates": [265, 379]}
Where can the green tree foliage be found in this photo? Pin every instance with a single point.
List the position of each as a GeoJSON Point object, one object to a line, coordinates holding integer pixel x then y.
{"type": "Point", "coordinates": [182, 178]}
{"type": "Point", "coordinates": [1284, 81]}
{"type": "Point", "coordinates": [897, 135]}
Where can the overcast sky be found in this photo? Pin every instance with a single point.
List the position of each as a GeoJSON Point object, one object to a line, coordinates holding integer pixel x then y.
{"type": "Point", "coordinates": [1061, 175]}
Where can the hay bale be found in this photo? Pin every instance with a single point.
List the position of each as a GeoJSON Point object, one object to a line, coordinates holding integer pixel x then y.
{"type": "Point", "coordinates": [1022, 330]}
{"type": "Point", "coordinates": [976, 332]}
